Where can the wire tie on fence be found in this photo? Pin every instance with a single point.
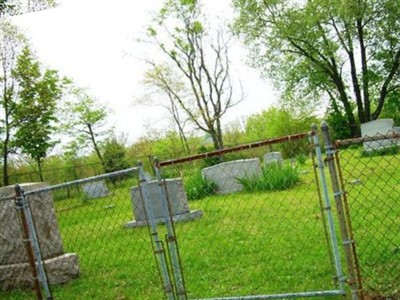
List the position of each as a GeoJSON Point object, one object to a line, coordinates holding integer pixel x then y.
{"type": "Point", "coordinates": [26, 240]}
{"type": "Point", "coordinates": [329, 151]}
{"type": "Point", "coordinates": [327, 208]}
{"type": "Point", "coordinates": [348, 242]}
{"type": "Point", "coordinates": [337, 194]}
{"type": "Point", "coordinates": [160, 251]}
{"type": "Point", "coordinates": [182, 292]}
{"type": "Point", "coordinates": [171, 238]}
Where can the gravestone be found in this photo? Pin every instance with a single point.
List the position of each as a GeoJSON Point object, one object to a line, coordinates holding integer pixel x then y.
{"type": "Point", "coordinates": [176, 196]}
{"type": "Point", "coordinates": [14, 266]}
{"type": "Point", "coordinates": [374, 128]}
{"type": "Point", "coordinates": [225, 175]}
{"type": "Point", "coordinates": [272, 157]}
{"type": "Point", "coordinates": [95, 189]}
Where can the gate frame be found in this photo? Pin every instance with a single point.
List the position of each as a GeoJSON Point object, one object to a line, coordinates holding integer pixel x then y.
{"type": "Point", "coordinates": [314, 141]}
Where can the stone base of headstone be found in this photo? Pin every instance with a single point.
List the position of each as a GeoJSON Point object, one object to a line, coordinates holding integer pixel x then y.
{"type": "Point", "coordinates": [186, 217]}
{"type": "Point", "coordinates": [59, 270]}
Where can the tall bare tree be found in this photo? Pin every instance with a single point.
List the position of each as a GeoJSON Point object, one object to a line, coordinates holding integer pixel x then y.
{"type": "Point", "coordinates": [161, 81]}
{"type": "Point", "coordinates": [201, 60]}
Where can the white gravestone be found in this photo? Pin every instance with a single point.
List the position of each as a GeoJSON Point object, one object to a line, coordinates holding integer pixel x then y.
{"type": "Point", "coordinates": [177, 199]}
{"type": "Point", "coordinates": [374, 128]}
{"type": "Point", "coordinates": [225, 175]}
{"type": "Point", "coordinates": [272, 157]}
{"type": "Point", "coordinates": [95, 189]}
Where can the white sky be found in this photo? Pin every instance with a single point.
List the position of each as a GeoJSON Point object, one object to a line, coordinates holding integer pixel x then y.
{"type": "Point", "coordinates": [94, 43]}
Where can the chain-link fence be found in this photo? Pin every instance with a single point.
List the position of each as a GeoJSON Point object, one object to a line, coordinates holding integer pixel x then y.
{"type": "Point", "coordinates": [256, 222]}
{"type": "Point", "coordinates": [266, 220]}
{"type": "Point", "coordinates": [53, 175]}
{"type": "Point", "coordinates": [371, 177]}
{"type": "Point", "coordinates": [89, 248]}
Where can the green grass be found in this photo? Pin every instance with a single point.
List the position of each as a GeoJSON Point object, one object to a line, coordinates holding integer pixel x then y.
{"type": "Point", "coordinates": [246, 243]}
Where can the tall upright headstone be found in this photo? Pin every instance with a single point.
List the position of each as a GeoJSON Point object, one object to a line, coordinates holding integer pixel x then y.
{"type": "Point", "coordinates": [177, 201]}
{"type": "Point", "coordinates": [14, 267]}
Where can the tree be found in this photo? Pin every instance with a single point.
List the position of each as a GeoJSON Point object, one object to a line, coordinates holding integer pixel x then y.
{"type": "Point", "coordinates": [85, 121]}
{"type": "Point", "coordinates": [114, 154]}
{"type": "Point", "coordinates": [165, 82]}
{"type": "Point", "coordinates": [346, 51]}
{"type": "Point", "coordinates": [11, 44]}
{"type": "Point", "coordinates": [277, 122]}
{"type": "Point", "coordinates": [38, 95]}
{"type": "Point", "coordinates": [201, 64]}
{"type": "Point", "coordinates": [16, 7]}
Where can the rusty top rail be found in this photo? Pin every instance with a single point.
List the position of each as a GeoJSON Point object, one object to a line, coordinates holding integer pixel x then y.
{"type": "Point", "coordinates": [287, 138]}
{"type": "Point", "coordinates": [356, 141]}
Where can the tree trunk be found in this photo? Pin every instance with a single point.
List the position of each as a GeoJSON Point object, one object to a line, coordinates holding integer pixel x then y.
{"type": "Point", "coordinates": [346, 104]}
{"type": "Point", "coordinates": [39, 164]}
{"type": "Point", "coordinates": [5, 163]}
{"type": "Point", "coordinates": [95, 146]}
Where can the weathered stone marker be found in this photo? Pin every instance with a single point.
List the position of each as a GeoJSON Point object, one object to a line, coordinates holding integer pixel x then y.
{"type": "Point", "coordinates": [95, 189]}
{"type": "Point", "coordinates": [225, 175]}
{"type": "Point", "coordinates": [272, 157]}
{"type": "Point", "coordinates": [14, 267]}
{"type": "Point", "coordinates": [378, 127]}
{"type": "Point", "coordinates": [177, 198]}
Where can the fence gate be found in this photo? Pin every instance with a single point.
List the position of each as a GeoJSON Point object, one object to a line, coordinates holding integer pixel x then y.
{"type": "Point", "coordinates": [369, 172]}
{"type": "Point", "coordinates": [254, 221]}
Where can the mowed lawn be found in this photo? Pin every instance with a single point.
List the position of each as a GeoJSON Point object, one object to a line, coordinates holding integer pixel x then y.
{"type": "Point", "coordinates": [244, 244]}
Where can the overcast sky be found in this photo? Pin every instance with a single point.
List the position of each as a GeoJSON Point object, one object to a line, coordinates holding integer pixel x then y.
{"type": "Point", "coordinates": [94, 43]}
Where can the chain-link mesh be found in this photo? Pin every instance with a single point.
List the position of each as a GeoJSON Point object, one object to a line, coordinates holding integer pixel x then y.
{"type": "Point", "coordinates": [253, 221]}
{"type": "Point", "coordinates": [90, 249]}
{"type": "Point", "coordinates": [371, 177]}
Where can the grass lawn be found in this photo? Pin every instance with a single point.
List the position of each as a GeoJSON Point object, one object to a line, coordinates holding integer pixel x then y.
{"type": "Point", "coordinates": [245, 243]}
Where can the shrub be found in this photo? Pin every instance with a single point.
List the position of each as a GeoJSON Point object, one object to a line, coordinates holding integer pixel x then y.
{"type": "Point", "coordinates": [274, 177]}
{"type": "Point", "coordinates": [196, 187]}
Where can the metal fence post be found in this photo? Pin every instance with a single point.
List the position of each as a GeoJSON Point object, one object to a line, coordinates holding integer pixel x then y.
{"type": "Point", "coordinates": [328, 211]}
{"type": "Point", "coordinates": [157, 244]}
{"type": "Point", "coordinates": [171, 235]}
{"type": "Point", "coordinates": [34, 241]}
{"type": "Point", "coordinates": [19, 203]}
{"type": "Point", "coordinates": [346, 240]}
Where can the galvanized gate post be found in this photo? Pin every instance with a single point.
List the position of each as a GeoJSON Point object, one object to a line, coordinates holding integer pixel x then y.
{"type": "Point", "coordinates": [328, 211]}
{"type": "Point", "coordinates": [157, 243]}
{"type": "Point", "coordinates": [344, 230]}
{"type": "Point", "coordinates": [27, 221]}
{"type": "Point", "coordinates": [171, 238]}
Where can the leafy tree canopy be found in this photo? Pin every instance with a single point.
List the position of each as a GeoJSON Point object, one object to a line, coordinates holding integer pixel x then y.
{"type": "Point", "coordinates": [345, 51]}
